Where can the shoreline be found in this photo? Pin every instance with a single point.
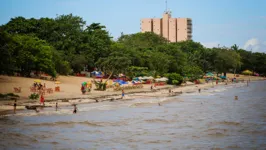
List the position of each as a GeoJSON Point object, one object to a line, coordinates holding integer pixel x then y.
{"type": "Point", "coordinates": [6, 107]}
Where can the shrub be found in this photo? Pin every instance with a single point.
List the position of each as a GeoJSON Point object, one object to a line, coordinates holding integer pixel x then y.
{"type": "Point", "coordinates": [175, 82]}
{"type": "Point", "coordinates": [34, 96]}
{"type": "Point", "coordinates": [12, 94]}
{"type": "Point", "coordinates": [174, 76]}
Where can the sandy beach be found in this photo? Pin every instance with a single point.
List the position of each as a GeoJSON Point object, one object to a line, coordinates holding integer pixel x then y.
{"type": "Point", "coordinates": [70, 91]}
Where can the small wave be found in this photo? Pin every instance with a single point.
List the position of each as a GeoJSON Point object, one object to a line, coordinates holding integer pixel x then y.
{"type": "Point", "coordinates": [226, 123]}
{"type": "Point", "coordinates": [64, 123]}
{"type": "Point", "coordinates": [155, 101]}
{"type": "Point", "coordinates": [157, 121]}
{"type": "Point", "coordinates": [217, 134]}
{"type": "Point", "coordinates": [87, 123]}
{"type": "Point", "coordinates": [158, 141]}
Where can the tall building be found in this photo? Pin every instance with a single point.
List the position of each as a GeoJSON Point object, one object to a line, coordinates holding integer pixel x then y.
{"type": "Point", "coordinates": [173, 29]}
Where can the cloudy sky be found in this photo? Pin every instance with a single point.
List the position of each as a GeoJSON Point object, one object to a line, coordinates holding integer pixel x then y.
{"type": "Point", "coordinates": [223, 22]}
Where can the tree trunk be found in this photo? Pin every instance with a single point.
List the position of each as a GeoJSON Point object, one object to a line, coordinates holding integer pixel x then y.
{"type": "Point", "coordinates": [225, 74]}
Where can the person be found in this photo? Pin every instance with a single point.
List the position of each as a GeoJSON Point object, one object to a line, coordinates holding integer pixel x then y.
{"type": "Point", "coordinates": [36, 110]}
{"type": "Point", "coordinates": [83, 89]}
{"type": "Point", "coordinates": [75, 109]}
{"type": "Point", "coordinates": [151, 87]}
{"type": "Point", "coordinates": [199, 90]}
{"type": "Point", "coordinates": [170, 91]}
{"type": "Point", "coordinates": [40, 86]}
{"type": "Point", "coordinates": [15, 106]}
{"type": "Point", "coordinates": [216, 81]}
{"type": "Point", "coordinates": [123, 93]}
{"type": "Point", "coordinates": [56, 106]}
{"type": "Point", "coordinates": [42, 99]}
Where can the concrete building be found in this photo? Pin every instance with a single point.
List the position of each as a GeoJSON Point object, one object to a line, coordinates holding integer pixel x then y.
{"type": "Point", "coordinates": [173, 29]}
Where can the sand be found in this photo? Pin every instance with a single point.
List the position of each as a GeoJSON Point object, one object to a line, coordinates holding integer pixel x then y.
{"type": "Point", "coordinates": [70, 91]}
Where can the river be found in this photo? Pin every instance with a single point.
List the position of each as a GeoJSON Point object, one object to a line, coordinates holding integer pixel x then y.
{"type": "Point", "coordinates": [212, 119]}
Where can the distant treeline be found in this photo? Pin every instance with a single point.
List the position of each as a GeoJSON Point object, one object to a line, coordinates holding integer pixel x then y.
{"type": "Point", "coordinates": [65, 45]}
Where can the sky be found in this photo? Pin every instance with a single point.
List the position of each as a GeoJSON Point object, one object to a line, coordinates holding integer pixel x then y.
{"type": "Point", "coordinates": [215, 22]}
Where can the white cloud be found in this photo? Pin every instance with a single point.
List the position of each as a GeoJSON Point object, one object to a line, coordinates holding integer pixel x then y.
{"type": "Point", "coordinates": [255, 45]}
{"type": "Point", "coordinates": [210, 44]}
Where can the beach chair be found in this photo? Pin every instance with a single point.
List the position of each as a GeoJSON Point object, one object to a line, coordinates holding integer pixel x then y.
{"type": "Point", "coordinates": [33, 89]}
{"type": "Point", "coordinates": [17, 90]}
{"type": "Point", "coordinates": [49, 90]}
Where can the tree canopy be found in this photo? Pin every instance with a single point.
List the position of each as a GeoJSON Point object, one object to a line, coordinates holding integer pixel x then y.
{"type": "Point", "coordinates": [66, 44]}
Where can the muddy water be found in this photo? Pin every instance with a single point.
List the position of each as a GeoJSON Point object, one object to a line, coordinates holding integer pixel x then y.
{"type": "Point", "coordinates": [211, 119]}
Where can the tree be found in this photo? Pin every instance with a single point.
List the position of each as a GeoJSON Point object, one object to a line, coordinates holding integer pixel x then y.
{"type": "Point", "coordinates": [192, 72]}
{"type": "Point", "coordinates": [142, 41]}
{"type": "Point", "coordinates": [178, 59]}
{"type": "Point", "coordinates": [7, 63]}
{"type": "Point", "coordinates": [226, 60]}
{"type": "Point", "coordinates": [33, 54]}
{"type": "Point", "coordinates": [158, 62]}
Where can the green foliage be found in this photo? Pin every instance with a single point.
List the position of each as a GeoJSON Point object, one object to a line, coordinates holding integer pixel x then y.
{"type": "Point", "coordinates": [174, 78]}
{"type": "Point", "coordinates": [135, 71]}
{"type": "Point", "coordinates": [192, 72]}
{"type": "Point", "coordinates": [66, 45]}
{"type": "Point", "coordinates": [34, 96]}
{"type": "Point", "coordinates": [175, 82]}
{"type": "Point", "coordinates": [9, 96]}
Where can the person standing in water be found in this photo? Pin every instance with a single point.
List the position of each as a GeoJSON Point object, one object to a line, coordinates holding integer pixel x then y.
{"type": "Point", "coordinates": [42, 99]}
{"type": "Point", "coordinates": [75, 109]}
{"type": "Point", "coordinates": [15, 106]}
{"type": "Point", "coordinates": [56, 106]}
{"type": "Point", "coordinates": [123, 93]}
{"type": "Point", "coordinates": [199, 90]}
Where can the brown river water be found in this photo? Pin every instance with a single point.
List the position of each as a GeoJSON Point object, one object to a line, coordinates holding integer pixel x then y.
{"type": "Point", "coordinates": [211, 119]}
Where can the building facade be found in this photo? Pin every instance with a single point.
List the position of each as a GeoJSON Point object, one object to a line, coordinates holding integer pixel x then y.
{"type": "Point", "coordinates": [172, 29]}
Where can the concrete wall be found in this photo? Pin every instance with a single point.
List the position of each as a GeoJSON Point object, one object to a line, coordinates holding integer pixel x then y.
{"type": "Point", "coordinates": [182, 29]}
{"type": "Point", "coordinates": [146, 25]}
{"type": "Point", "coordinates": [165, 21]}
{"type": "Point", "coordinates": [157, 26]}
{"type": "Point", "coordinates": [172, 30]}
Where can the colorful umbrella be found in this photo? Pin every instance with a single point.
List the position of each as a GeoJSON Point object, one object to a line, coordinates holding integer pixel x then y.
{"type": "Point", "coordinates": [37, 81]}
{"type": "Point", "coordinates": [57, 82]}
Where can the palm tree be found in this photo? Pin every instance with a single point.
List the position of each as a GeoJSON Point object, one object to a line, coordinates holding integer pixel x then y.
{"type": "Point", "coordinates": [235, 47]}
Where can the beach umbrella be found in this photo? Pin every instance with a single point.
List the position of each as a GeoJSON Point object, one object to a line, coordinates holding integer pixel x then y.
{"type": "Point", "coordinates": [57, 82]}
{"type": "Point", "coordinates": [150, 78]}
{"type": "Point", "coordinates": [223, 77]}
{"type": "Point", "coordinates": [247, 72]}
{"type": "Point", "coordinates": [141, 78]}
{"type": "Point", "coordinates": [37, 81]}
{"type": "Point", "coordinates": [209, 74]}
